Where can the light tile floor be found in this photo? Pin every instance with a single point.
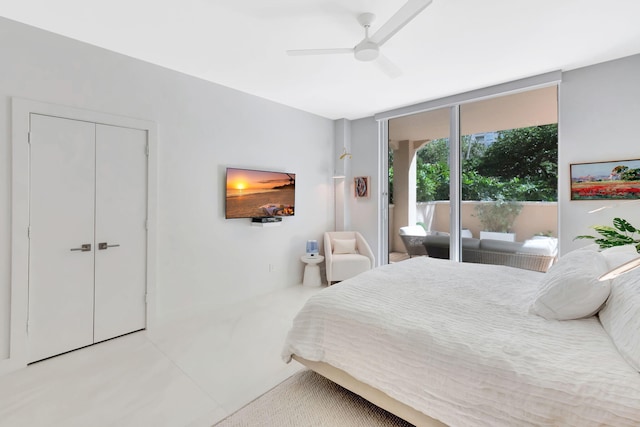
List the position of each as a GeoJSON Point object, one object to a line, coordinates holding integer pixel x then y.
{"type": "Point", "coordinates": [192, 371]}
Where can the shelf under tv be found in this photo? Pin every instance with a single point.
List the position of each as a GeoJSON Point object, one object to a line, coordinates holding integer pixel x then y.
{"type": "Point", "coordinates": [266, 224]}
{"type": "Point", "coordinates": [266, 221]}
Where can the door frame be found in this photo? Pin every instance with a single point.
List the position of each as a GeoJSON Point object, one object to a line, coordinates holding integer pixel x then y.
{"type": "Point", "coordinates": [20, 120]}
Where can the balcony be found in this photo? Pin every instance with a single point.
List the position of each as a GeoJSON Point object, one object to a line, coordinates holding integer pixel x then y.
{"type": "Point", "coordinates": [535, 219]}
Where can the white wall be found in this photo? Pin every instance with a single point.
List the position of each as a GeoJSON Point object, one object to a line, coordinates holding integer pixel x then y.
{"type": "Point", "coordinates": [364, 212]}
{"type": "Point", "coordinates": [598, 121]}
{"type": "Point", "coordinates": [203, 259]}
{"type": "Point", "coordinates": [599, 116]}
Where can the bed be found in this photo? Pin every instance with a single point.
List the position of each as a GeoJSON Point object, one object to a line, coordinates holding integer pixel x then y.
{"type": "Point", "coordinates": [460, 344]}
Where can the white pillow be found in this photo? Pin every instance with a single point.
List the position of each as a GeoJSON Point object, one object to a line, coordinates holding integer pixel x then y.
{"type": "Point", "coordinates": [413, 230]}
{"type": "Point", "coordinates": [344, 246]}
{"type": "Point", "coordinates": [571, 289]}
{"type": "Point", "coordinates": [620, 316]}
{"type": "Point", "coordinates": [618, 255]}
{"type": "Point", "coordinates": [546, 246]}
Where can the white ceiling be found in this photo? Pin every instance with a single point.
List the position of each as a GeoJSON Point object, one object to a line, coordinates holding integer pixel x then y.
{"type": "Point", "coordinates": [451, 47]}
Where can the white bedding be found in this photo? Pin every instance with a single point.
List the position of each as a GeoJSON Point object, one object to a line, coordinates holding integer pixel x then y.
{"type": "Point", "coordinates": [464, 349]}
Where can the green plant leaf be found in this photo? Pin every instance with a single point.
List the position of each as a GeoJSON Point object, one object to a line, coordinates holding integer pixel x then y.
{"type": "Point", "coordinates": [604, 244]}
{"type": "Point", "coordinates": [584, 237]}
{"type": "Point", "coordinates": [613, 236]}
{"type": "Point", "coordinates": [607, 231]}
{"type": "Point", "coordinates": [623, 225]}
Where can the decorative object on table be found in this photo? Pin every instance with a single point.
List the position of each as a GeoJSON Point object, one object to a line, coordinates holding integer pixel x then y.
{"type": "Point", "coordinates": [312, 248]}
{"type": "Point", "coordinates": [618, 179]}
{"type": "Point", "coordinates": [497, 216]}
{"type": "Point", "coordinates": [361, 186]}
{"type": "Point", "coordinates": [622, 233]}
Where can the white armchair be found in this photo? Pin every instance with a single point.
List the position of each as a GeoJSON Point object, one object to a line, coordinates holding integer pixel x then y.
{"type": "Point", "coordinates": [346, 254]}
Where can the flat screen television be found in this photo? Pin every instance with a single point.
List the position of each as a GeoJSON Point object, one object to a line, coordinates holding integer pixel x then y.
{"type": "Point", "coordinates": [257, 194]}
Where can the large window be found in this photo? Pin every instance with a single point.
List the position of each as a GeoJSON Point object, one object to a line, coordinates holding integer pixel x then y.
{"type": "Point", "coordinates": [508, 171]}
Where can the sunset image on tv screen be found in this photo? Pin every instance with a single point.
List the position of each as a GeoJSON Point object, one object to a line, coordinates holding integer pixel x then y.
{"type": "Point", "coordinates": [254, 193]}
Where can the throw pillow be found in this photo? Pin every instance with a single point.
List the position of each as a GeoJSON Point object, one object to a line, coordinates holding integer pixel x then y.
{"type": "Point", "coordinates": [344, 246]}
{"type": "Point", "coordinates": [620, 316]}
{"type": "Point", "coordinates": [570, 289]}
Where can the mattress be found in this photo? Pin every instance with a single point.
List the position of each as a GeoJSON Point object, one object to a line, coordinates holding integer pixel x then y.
{"type": "Point", "coordinates": [456, 341]}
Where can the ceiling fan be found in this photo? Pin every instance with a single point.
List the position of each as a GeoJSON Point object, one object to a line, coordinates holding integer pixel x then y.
{"type": "Point", "coordinates": [369, 48]}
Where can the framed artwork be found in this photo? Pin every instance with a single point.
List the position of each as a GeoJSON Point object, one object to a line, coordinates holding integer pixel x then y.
{"type": "Point", "coordinates": [619, 179]}
{"type": "Point", "coordinates": [361, 185]}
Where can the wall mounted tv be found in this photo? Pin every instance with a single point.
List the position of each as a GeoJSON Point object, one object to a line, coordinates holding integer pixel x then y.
{"type": "Point", "coordinates": [257, 194]}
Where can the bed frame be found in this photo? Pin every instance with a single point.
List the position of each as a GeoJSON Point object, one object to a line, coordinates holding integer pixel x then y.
{"type": "Point", "coordinates": [373, 395]}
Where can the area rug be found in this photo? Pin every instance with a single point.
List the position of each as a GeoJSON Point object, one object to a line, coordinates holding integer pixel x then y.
{"type": "Point", "coordinates": [308, 399]}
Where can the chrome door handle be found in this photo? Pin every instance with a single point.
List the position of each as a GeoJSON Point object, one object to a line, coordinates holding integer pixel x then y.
{"type": "Point", "coordinates": [84, 248]}
{"type": "Point", "coordinates": [105, 245]}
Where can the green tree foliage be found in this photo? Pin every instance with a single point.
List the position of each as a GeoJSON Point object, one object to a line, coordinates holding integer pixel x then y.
{"type": "Point", "coordinates": [630, 175]}
{"type": "Point", "coordinates": [529, 154]}
{"type": "Point", "coordinates": [432, 181]}
{"type": "Point", "coordinates": [521, 165]}
{"type": "Point", "coordinates": [432, 171]}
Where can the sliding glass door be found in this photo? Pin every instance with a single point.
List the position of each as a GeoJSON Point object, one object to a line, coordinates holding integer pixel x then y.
{"type": "Point", "coordinates": [418, 181]}
{"type": "Point", "coordinates": [501, 172]}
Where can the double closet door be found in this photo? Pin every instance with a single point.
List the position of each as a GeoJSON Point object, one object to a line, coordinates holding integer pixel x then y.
{"type": "Point", "coordinates": [87, 234]}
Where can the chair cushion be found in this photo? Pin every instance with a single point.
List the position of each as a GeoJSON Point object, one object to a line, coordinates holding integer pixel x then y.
{"type": "Point", "coordinates": [436, 241]}
{"type": "Point", "coordinates": [412, 230]}
{"type": "Point", "coordinates": [345, 266]}
{"type": "Point", "coordinates": [344, 246]}
{"type": "Point", "coordinates": [470, 243]}
{"type": "Point", "coordinates": [500, 245]}
{"type": "Point", "coordinates": [547, 246]}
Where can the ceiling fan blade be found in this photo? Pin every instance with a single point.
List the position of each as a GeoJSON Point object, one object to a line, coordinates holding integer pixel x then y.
{"type": "Point", "coordinates": [302, 52]}
{"type": "Point", "coordinates": [401, 18]}
{"type": "Point", "coordinates": [388, 67]}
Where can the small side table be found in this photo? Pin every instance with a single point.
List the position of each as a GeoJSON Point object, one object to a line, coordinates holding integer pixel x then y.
{"type": "Point", "coordinates": [311, 270]}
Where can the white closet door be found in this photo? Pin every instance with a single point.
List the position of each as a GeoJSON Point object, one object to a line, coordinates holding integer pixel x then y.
{"type": "Point", "coordinates": [61, 219]}
{"type": "Point", "coordinates": [121, 212]}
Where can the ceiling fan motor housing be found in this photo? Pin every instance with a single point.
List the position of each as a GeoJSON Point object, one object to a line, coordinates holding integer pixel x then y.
{"type": "Point", "coordinates": [366, 51]}
{"type": "Point", "coordinates": [369, 48]}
